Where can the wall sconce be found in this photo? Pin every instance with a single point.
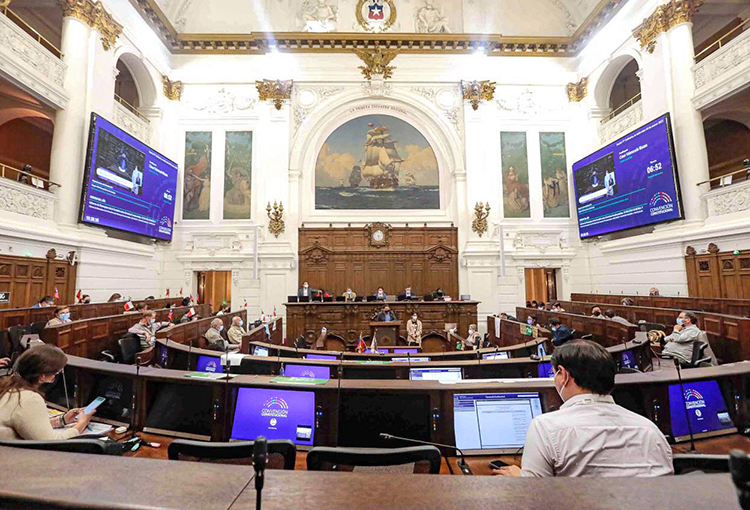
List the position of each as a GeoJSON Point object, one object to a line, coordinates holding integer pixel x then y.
{"type": "Point", "coordinates": [276, 215]}
{"type": "Point", "coordinates": [477, 91]}
{"type": "Point", "coordinates": [481, 213]}
{"type": "Point", "coordinates": [277, 91]}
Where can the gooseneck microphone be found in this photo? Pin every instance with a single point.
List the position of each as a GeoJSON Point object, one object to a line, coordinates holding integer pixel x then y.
{"type": "Point", "coordinates": [461, 463]}
{"type": "Point", "coordinates": [684, 405]}
{"type": "Point", "coordinates": [260, 457]}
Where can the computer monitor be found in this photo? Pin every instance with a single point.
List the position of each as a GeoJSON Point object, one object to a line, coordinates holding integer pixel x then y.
{"type": "Point", "coordinates": [628, 360]}
{"type": "Point", "coordinates": [545, 370]}
{"type": "Point", "coordinates": [410, 360]}
{"type": "Point", "coordinates": [496, 355]}
{"type": "Point", "coordinates": [406, 351]}
{"type": "Point", "coordinates": [260, 351]}
{"type": "Point", "coordinates": [307, 371]}
{"type": "Point", "coordinates": [184, 409]}
{"type": "Point", "coordinates": [275, 414]}
{"type": "Point", "coordinates": [435, 374]}
{"type": "Point", "coordinates": [208, 364]}
{"type": "Point", "coordinates": [706, 410]}
{"type": "Point", "coordinates": [493, 422]}
{"type": "Point", "coordinates": [325, 357]}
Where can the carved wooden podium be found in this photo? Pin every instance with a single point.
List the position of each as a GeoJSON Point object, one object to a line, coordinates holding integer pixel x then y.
{"type": "Point", "coordinates": [387, 332]}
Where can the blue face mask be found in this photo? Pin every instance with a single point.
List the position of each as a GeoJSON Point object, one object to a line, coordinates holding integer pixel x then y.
{"type": "Point", "coordinates": [221, 328]}
{"type": "Point", "coordinates": [241, 323]}
{"type": "Point", "coordinates": [679, 321]}
{"type": "Point", "coordinates": [152, 321]}
{"type": "Point", "coordinates": [65, 316]}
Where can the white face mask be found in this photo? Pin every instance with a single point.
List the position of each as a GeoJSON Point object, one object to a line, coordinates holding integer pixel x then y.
{"type": "Point", "coordinates": [471, 332]}
{"type": "Point", "coordinates": [560, 391]}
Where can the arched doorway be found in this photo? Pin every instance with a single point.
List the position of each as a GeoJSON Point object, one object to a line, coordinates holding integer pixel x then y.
{"type": "Point", "coordinates": [728, 145]}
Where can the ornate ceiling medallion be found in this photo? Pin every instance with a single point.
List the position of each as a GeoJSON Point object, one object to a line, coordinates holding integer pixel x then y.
{"type": "Point", "coordinates": [376, 15]}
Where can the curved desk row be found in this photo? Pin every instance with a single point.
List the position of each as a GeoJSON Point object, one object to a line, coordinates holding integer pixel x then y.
{"type": "Point", "coordinates": [738, 307]}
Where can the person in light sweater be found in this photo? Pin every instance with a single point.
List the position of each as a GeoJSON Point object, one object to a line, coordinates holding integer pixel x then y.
{"type": "Point", "coordinates": [23, 413]}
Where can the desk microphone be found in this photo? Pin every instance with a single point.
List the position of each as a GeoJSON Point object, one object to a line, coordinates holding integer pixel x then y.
{"type": "Point", "coordinates": [260, 457]}
{"type": "Point", "coordinates": [190, 348]}
{"type": "Point", "coordinates": [684, 405]}
{"type": "Point", "coordinates": [461, 463]}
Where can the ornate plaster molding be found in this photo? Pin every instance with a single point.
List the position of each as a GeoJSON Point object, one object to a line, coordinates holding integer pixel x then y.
{"type": "Point", "coordinates": [577, 91]}
{"type": "Point", "coordinates": [172, 89]}
{"type": "Point", "coordinates": [94, 15]}
{"type": "Point", "coordinates": [377, 62]}
{"type": "Point", "coordinates": [665, 16]}
{"type": "Point", "coordinates": [622, 123]}
{"type": "Point", "coordinates": [723, 72]}
{"type": "Point", "coordinates": [728, 200]}
{"type": "Point", "coordinates": [23, 199]}
{"type": "Point", "coordinates": [132, 123]}
{"type": "Point", "coordinates": [276, 91]}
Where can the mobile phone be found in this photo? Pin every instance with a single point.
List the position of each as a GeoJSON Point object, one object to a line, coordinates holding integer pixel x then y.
{"type": "Point", "coordinates": [497, 464]}
{"type": "Point", "coordinates": [93, 405]}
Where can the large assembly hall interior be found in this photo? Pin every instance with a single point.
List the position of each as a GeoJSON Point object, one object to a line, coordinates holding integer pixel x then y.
{"type": "Point", "coordinates": [328, 253]}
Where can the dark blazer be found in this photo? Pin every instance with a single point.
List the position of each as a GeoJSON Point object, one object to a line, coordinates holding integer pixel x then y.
{"type": "Point", "coordinates": [387, 316]}
{"type": "Point", "coordinates": [561, 336]}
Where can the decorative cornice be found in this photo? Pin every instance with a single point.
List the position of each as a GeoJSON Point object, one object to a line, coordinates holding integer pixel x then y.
{"type": "Point", "coordinates": [172, 89]}
{"type": "Point", "coordinates": [376, 62]}
{"type": "Point", "coordinates": [665, 16]}
{"type": "Point", "coordinates": [578, 91]}
{"type": "Point", "coordinates": [94, 15]}
{"type": "Point", "coordinates": [342, 42]}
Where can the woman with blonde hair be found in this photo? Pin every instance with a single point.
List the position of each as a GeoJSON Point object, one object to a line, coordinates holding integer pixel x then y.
{"type": "Point", "coordinates": [23, 412]}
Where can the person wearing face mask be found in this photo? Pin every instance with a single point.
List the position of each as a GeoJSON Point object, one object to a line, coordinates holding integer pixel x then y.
{"type": "Point", "coordinates": [473, 339]}
{"type": "Point", "coordinates": [146, 328]}
{"type": "Point", "coordinates": [414, 331]}
{"type": "Point", "coordinates": [305, 290]}
{"type": "Point", "coordinates": [235, 332]}
{"type": "Point", "coordinates": [380, 294]}
{"type": "Point", "coordinates": [320, 343]}
{"type": "Point", "coordinates": [23, 413]}
{"type": "Point", "coordinates": [597, 312]}
{"type": "Point", "coordinates": [557, 307]}
{"type": "Point", "coordinates": [653, 292]}
{"type": "Point", "coordinates": [349, 295]}
{"type": "Point", "coordinates": [531, 320]}
{"type": "Point", "coordinates": [560, 332]}
{"type": "Point", "coordinates": [387, 315]}
{"type": "Point", "coordinates": [680, 342]}
{"type": "Point", "coordinates": [590, 435]}
{"type": "Point", "coordinates": [62, 316]}
{"type": "Point", "coordinates": [213, 336]}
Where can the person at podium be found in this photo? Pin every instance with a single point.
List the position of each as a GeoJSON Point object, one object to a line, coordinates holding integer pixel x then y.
{"type": "Point", "coordinates": [386, 315]}
{"type": "Point", "coordinates": [380, 295]}
{"type": "Point", "coordinates": [305, 290]}
{"type": "Point", "coordinates": [414, 331]}
{"type": "Point", "coordinates": [320, 343]}
{"type": "Point", "coordinates": [349, 295]}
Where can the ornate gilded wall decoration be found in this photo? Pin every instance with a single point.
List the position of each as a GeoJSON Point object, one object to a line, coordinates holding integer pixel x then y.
{"type": "Point", "coordinates": [578, 91]}
{"type": "Point", "coordinates": [277, 91]}
{"type": "Point", "coordinates": [376, 15]}
{"type": "Point", "coordinates": [665, 16]}
{"type": "Point", "coordinates": [94, 15]}
{"type": "Point", "coordinates": [376, 62]}
{"type": "Point", "coordinates": [172, 89]}
{"type": "Point", "coordinates": [477, 91]}
{"type": "Point", "coordinates": [276, 215]}
{"type": "Point", "coordinates": [481, 213]}
{"type": "Point", "coordinates": [378, 234]}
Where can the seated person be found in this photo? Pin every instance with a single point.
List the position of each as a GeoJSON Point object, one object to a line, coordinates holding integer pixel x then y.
{"type": "Point", "coordinates": [235, 331]}
{"type": "Point", "coordinates": [438, 294]}
{"type": "Point", "coordinates": [531, 320]}
{"type": "Point", "coordinates": [187, 301]}
{"type": "Point", "coordinates": [349, 295]}
{"type": "Point", "coordinates": [141, 307]}
{"type": "Point", "coordinates": [62, 316]}
{"type": "Point", "coordinates": [627, 302]}
{"type": "Point", "coordinates": [23, 412]}
{"type": "Point", "coordinates": [408, 294]}
{"type": "Point", "coordinates": [149, 297]}
{"type": "Point", "coordinates": [45, 302]}
{"type": "Point", "coordinates": [590, 435]}
{"type": "Point", "coordinates": [169, 305]}
{"type": "Point", "coordinates": [414, 331]}
{"type": "Point", "coordinates": [305, 290]}
{"type": "Point", "coordinates": [380, 294]}
{"type": "Point", "coordinates": [557, 307]}
{"type": "Point", "coordinates": [534, 304]}
{"type": "Point", "coordinates": [653, 292]}
{"type": "Point", "coordinates": [213, 336]}
{"type": "Point", "coordinates": [541, 305]}
{"type": "Point", "coordinates": [4, 362]}
{"type": "Point", "coordinates": [680, 342]}
{"type": "Point", "coordinates": [114, 297]}
{"type": "Point", "coordinates": [146, 328]}
{"type": "Point", "coordinates": [189, 316]}
{"type": "Point", "coordinates": [597, 312]}
{"type": "Point", "coordinates": [528, 304]}
{"type": "Point", "coordinates": [508, 317]}
{"type": "Point", "coordinates": [85, 300]}
{"type": "Point", "coordinates": [386, 315]}
{"type": "Point", "coordinates": [610, 314]}
{"type": "Point", "coordinates": [223, 309]}
{"type": "Point", "coordinates": [473, 338]}
{"type": "Point", "coordinates": [320, 343]}
{"type": "Point", "coordinates": [560, 332]}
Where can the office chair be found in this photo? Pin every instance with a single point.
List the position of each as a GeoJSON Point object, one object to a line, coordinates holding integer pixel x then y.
{"type": "Point", "coordinates": [85, 445]}
{"type": "Point", "coordinates": [739, 465]}
{"type": "Point", "coordinates": [282, 453]}
{"type": "Point", "coordinates": [15, 333]}
{"type": "Point", "coordinates": [687, 463]}
{"type": "Point", "coordinates": [128, 346]}
{"type": "Point", "coordinates": [698, 358]}
{"type": "Point", "coordinates": [36, 327]}
{"type": "Point", "coordinates": [323, 458]}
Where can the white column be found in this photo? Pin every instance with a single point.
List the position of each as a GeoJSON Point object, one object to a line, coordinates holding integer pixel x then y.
{"type": "Point", "coordinates": [68, 139]}
{"type": "Point", "coordinates": [690, 141]}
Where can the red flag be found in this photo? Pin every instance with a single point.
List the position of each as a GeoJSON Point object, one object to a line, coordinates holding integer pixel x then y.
{"type": "Point", "coordinates": [79, 296]}
{"type": "Point", "coordinates": [57, 294]}
{"type": "Point", "coordinates": [129, 305]}
{"type": "Point", "coordinates": [262, 316]}
{"type": "Point", "coordinates": [361, 347]}
{"type": "Point", "coordinates": [245, 304]}
{"type": "Point", "coordinates": [211, 303]}
{"type": "Point", "coordinates": [167, 292]}
{"type": "Point", "coordinates": [191, 312]}
{"type": "Point", "coordinates": [180, 291]}
{"type": "Point", "coordinates": [170, 316]}
{"type": "Point", "coordinates": [274, 311]}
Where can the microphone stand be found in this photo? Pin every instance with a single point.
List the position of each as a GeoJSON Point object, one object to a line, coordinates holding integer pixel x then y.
{"type": "Point", "coordinates": [340, 375]}
{"type": "Point", "coordinates": [461, 463]}
{"type": "Point", "coordinates": [684, 405]}
{"type": "Point", "coordinates": [190, 349]}
{"type": "Point", "coordinates": [260, 457]}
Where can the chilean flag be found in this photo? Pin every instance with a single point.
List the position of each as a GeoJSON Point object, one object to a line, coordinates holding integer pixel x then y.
{"type": "Point", "coordinates": [167, 292]}
{"type": "Point", "coordinates": [79, 295]}
{"type": "Point", "coordinates": [245, 303]}
{"type": "Point", "coordinates": [170, 316]}
{"type": "Point", "coordinates": [57, 294]}
{"type": "Point", "coordinates": [376, 11]}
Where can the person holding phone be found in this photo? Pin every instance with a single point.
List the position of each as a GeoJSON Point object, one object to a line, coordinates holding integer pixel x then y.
{"type": "Point", "coordinates": [23, 412]}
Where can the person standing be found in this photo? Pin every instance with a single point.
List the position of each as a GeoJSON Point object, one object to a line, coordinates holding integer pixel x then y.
{"type": "Point", "coordinates": [414, 331]}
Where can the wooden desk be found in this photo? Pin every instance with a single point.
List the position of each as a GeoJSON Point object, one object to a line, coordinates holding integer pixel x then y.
{"type": "Point", "coordinates": [605, 332]}
{"type": "Point", "coordinates": [192, 332]}
{"type": "Point", "coordinates": [349, 320]}
{"type": "Point", "coordinates": [737, 307]}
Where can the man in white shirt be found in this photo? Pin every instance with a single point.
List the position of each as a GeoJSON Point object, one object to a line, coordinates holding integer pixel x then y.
{"type": "Point", "coordinates": [685, 333]}
{"type": "Point", "coordinates": [590, 435]}
{"type": "Point", "coordinates": [147, 327]}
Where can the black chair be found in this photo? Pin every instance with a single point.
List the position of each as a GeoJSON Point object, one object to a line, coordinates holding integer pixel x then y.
{"type": "Point", "coordinates": [282, 453]}
{"type": "Point", "coordinates": [651, 326]}
{"type": "Point", "coordinates": [686, 463]}
{"type": "Point", "coordinates": [15, 333]}
{"type": "Point", "coordinates": [698, 358]}
{"type": "Point", "coordinates": [37, 327]}
{"type": "Point", "coordinates": [93, 446]}
{"type": "Point", "coordinates": [323, 458]}
{"type": "Point", "coordinates": [128, 346]}
{"type": "Point", "coordinates": [739, 465]}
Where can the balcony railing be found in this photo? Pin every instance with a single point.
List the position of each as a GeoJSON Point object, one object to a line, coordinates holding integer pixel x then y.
{"type": "Point", "coordinates": [722, 40]}
{"type": "Point", "coordinates": [15, 18]}
{"type": "Point", "coordinates": [9, 172]}
{"type": "Point", "coordinates": [627, 104]}
{"type": "Point", "coordinates": [132, 109]}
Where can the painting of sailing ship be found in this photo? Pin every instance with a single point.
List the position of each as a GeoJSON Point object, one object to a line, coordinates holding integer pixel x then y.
{"type": "Point", "coordinates": [377, 162]}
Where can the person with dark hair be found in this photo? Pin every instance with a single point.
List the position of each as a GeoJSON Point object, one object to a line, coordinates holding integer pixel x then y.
{"type": "Point", "coordinates": [528, 304]}
{"type": "Point", "coordinates": [186, 301]}
{"type": "Point", "coordinates": [62, 316]}
{"type": "Point", "coordinates": [149, 297]}
{"type": "Point", "coordinates": [386, 315]}
{"type": "Point", "coordinates": [508, 317]}
{"type": "Point", "coordinates": [610, 314]}
{"type": "Point", "coordinates": [597, 312]}
{"type": "Point", "coordinates": [169, 305]}
{"type": "Point", "coordinates": [534, 304]}
{"type": "Point", "coordinates": [380, 294]}
{"type": "Point", "coordinates": [23, 413]}
{"type": "Point", "coordinates": [590, 435]}
{"type": "Point", "coordinates": [45, 302]}
{"type": "Point", "coordinates": [541, 305]}
{"type": "Point", "coordinates": [627, 302]}
{"type": "Point", "coordinates": [653, 292]}
{"type": "Point", "coordinates": [560, 332]}
{"type": "Point", "coordinates": [85, 300]}
{"type": "Point", "coordinates": [680, 342]}
{"type": "Point", "coordinates": [557, 307]}
{"type": "Point", "coordinates": [114, 297]}
{"type": "Point", "coordinates": [531, 320]}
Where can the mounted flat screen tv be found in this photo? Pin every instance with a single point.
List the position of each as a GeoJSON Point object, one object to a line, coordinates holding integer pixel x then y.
{"type": "Point", "coordinates": [127, 185]}
{"type": "Point", "coordinates": [630, 183]}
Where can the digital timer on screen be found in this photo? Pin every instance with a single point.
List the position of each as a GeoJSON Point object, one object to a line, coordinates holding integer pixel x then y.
{"type": "Point", "coordinates": [127, 185]}
{"type": "Point", "coordinates": [630, 183]}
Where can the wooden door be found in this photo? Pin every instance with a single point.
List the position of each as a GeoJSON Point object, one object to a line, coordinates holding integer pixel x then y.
{"type": "Point", "coordinates": [215, 287]}
{"type": "Point", "coordinates": [536, 284]}
{"type": "Point", "coordinates": [550, 283]}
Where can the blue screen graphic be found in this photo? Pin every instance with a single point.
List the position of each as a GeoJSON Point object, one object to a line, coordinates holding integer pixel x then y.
{"type": "Point", "coordinates": [541, 351]}
{"type": "Point", "coordinates": [127, 185]}
{"type": "Point", "coordinates": [705, 407]}
{"type": "Point", "coordinates": [275, 414]}
{"type": "Point", "coordinates": [309, 371]}
{"type": "Point", "coordinates": [260, 351]}
{"type": "Point", "coordinates": [208, 364]}
{"type": "Point", "coordinates": [405, 351]}
{"type": "Point", "coordinates": [630, 183]}
{"type": "Point", "coordinates": [325, 357]}
{"type": "Point", "coordinates": [545, 370]}
{"type": "Point", "coordinates": [628, 360]}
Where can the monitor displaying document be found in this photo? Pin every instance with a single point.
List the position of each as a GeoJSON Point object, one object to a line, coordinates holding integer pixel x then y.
{"type": "Point", "coordinates": [435, 374]}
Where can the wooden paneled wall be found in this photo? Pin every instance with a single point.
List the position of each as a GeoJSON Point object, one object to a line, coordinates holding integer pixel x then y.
{"type": "Point", "coordinates": [29, 279]}
{"type": "Point", "coordinates": [718, 274]}
{"type": "Point", "coordinates": [424, 258]}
